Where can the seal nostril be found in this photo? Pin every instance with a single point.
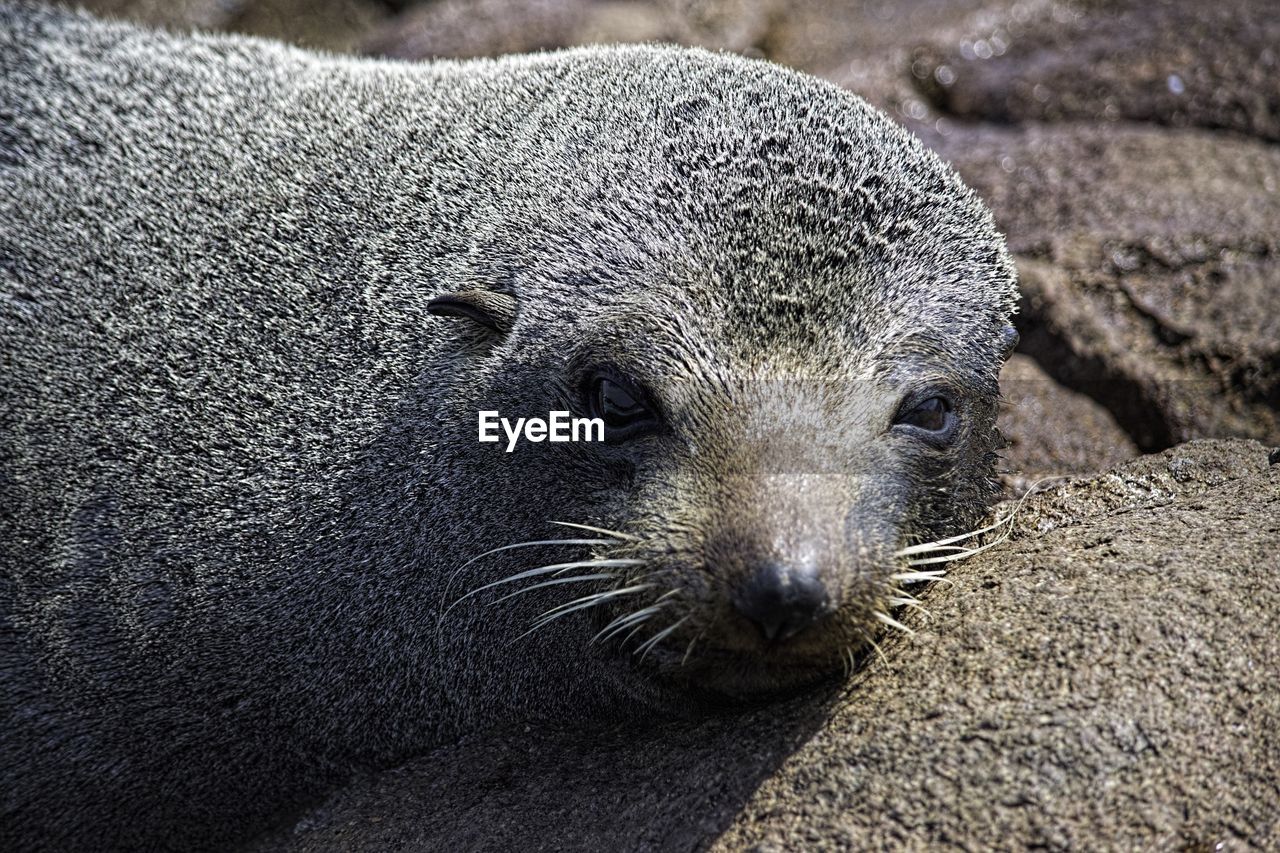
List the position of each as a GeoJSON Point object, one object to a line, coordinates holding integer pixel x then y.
{"type": "Point", "coordinates": [782, 602]}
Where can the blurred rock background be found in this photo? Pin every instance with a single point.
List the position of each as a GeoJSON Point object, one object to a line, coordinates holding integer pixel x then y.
{"type": "Point", "coordinates": [1128, 149]}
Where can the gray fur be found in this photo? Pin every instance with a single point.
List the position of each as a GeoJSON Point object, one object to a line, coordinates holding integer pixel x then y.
{"type": "Point", "coordinates": [237, 454]}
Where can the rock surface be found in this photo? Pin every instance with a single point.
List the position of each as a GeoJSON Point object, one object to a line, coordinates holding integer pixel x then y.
{"type": "Point", "coordinates": [337, 25]}
{"type": "Point", "coordinates": [172, 14]}
{"type": "Point", "coordinates": [1212, 65]}
{"type": "Point", "coordinates": [1052, 431]}
{"type": "Point", "coordinates": [461, 29]}
{"type": "Point", "coordinates": [1150, 268]}
{"type": "Point", "coordinates": [1106, 678]}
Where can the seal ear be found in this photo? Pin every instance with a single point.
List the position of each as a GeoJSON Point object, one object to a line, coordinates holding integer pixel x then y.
{"type": "Point", "coordinates": [496, 311]}
{"type": "Point", "coordinates": [1009, 338]}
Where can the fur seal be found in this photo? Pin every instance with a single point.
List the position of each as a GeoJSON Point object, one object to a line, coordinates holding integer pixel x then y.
{"type": "Point", "coordinates": [252, 300]}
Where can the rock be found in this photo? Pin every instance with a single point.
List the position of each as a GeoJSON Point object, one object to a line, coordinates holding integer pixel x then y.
{"type": "Point", "coordinates": [338, 25]}
{"type": "Point", "coordinates": [1106, 678]}
{"type": "Point", "coordinates": [461, 29]}
{"type": "Point", "coordinates": [623, 22]}
{"type": "Point", "coordinates": [866, 46]}
{"type": "Point", "coordinates": [327, 24]}
{"type": "Point", "coordinates": [742, 26]}
{"type": "Point", "coordinates": [1053, 431]}
{"type": "Point", "coordinates": [471, 28]}
{"type": "Point", "coordinates": [1150, 268]}
{"type": "Point", "coordinates": [171, 14]}
{"type": "Point", "coordinates": [1214, 65]}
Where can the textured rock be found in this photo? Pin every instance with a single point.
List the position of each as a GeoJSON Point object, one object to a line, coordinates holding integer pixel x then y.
{"type": "Point", "coordinates": [1104, 679]}
{"type": "Point", "coordinates": [472, 28]}
{"type": "Point", "coordinates": [173, 14]}
{"type": "Point", "coordinates": [1213, 65]}
{"type": "Point", "coordinates": [742, 26]}
{"type": "Point", "coordinates": [1150, 268]}
{"type": "Point", "coordinates": [460, 29]}
{"type": "Point", "coordinates": [337, 25]}
{"type": "Point", "coordinates": [329, 24]}
{"type": "Point", "coordinates": [624, 22]}
{"type": "Point", "coordinates": [867, 45]}
{"type": "Point", "coordinates": [1053, 431]}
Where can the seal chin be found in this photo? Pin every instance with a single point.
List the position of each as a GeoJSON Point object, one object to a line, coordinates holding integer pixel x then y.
{"type": "Point", "coordinates": [749, 648]}
{"type": "Point", "coordinates": [736, 676]}
{"type": "Point", "coordinates": [749, 671]}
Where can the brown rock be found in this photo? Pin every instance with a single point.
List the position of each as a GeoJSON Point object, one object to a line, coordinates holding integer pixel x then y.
{"type": "Point", "coordinates": [1213, 65]}
{"type": "Point", "coordinates": [866, 45]}
{"type": "Point", "coordinates": [742, 26]}
{"type": "Point", "coordinates": [171, 14]}
{"type": "Point", "coordinates": [1150, 268]}
{"type": "Point", "coordinates": [623, 22]}
{"type": "Point", "coordinates": [470, 28]}
{"type": "Point", "coordinates": [461, 29]}
{"type": "Point", "coordinates": [1053, 431]}
{"type": "Point", "coordinates": [337, 25]}
{"type": "Point", "coordinates": [1105, 679]}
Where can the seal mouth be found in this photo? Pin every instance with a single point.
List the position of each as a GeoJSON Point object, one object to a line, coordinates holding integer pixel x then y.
{"type": "Point", "coordinates": [701, 639]}
{"type": "Point", "coordinates": [739, 664]}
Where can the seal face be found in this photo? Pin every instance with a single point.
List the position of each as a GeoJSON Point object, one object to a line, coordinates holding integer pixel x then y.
{"type": "Point", "coordinates": [252, 301]}
{"type": "Point", "coordinates": [777, 427]}
{"type": "Point", "coordinates": [792, 327]}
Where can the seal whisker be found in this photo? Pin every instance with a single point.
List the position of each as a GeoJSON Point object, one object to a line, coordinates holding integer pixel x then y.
{"type": "Point", "coordinates": [689, 650]}
{"type": "Point", "coordinates": [449, 583]}
{"type": "Point", "coordinates": [581, 604]}
{"type": "Point", "coordinates": [623, 622]}
{"type": "Point", "coordinates": [964, 555]}
{"type": "Point", "coordinates": [928, 548]}
{"type": "Point", "coordinates": [620, 624]}
{"type": "Point", "coordinates": [879, 651]}
{"type": "Point", "coordinates": [894, 623]}
{"type": "Point", "coordinates": [552, 569]}
{"type": "Point", "coordinates": [909, 601]}
{"type": "Point", "coordinates": [648, 645]}
{"type": "Point", "coordinates": [948, 543]}
{"type": "Point", "coordinates": [919, 577]}
{"type": "Point", "coordinates": [575, 579]}
{"type": "Point", "coordinates": [633, 632]}
{"type": "Point", "coordinates": [617, 534]}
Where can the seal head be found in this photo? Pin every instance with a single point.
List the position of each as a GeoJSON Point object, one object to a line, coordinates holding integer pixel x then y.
{"type": "Point", "coordinates": [791, 318]}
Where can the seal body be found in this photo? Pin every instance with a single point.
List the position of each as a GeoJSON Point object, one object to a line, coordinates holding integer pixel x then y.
{"type": "Point", "coordinates": [241, 486]}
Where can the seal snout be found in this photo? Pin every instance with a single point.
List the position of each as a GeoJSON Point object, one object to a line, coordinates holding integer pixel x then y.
{"type": "Point", "coordinates": [782, 601]}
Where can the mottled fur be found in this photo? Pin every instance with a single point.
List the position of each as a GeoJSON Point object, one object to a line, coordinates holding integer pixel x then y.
{"type": "Point", "coordinates": [237, 455]}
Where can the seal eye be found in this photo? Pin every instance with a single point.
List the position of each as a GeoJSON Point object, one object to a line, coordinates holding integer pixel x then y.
{"type": "Point", "coordinates": [618, 406]}
{"type": "Point", "coordinates": [934, 415]}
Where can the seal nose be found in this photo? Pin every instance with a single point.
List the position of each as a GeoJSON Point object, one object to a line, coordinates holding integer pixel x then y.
{"type": "Point", "coordinates": [782, 602]}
